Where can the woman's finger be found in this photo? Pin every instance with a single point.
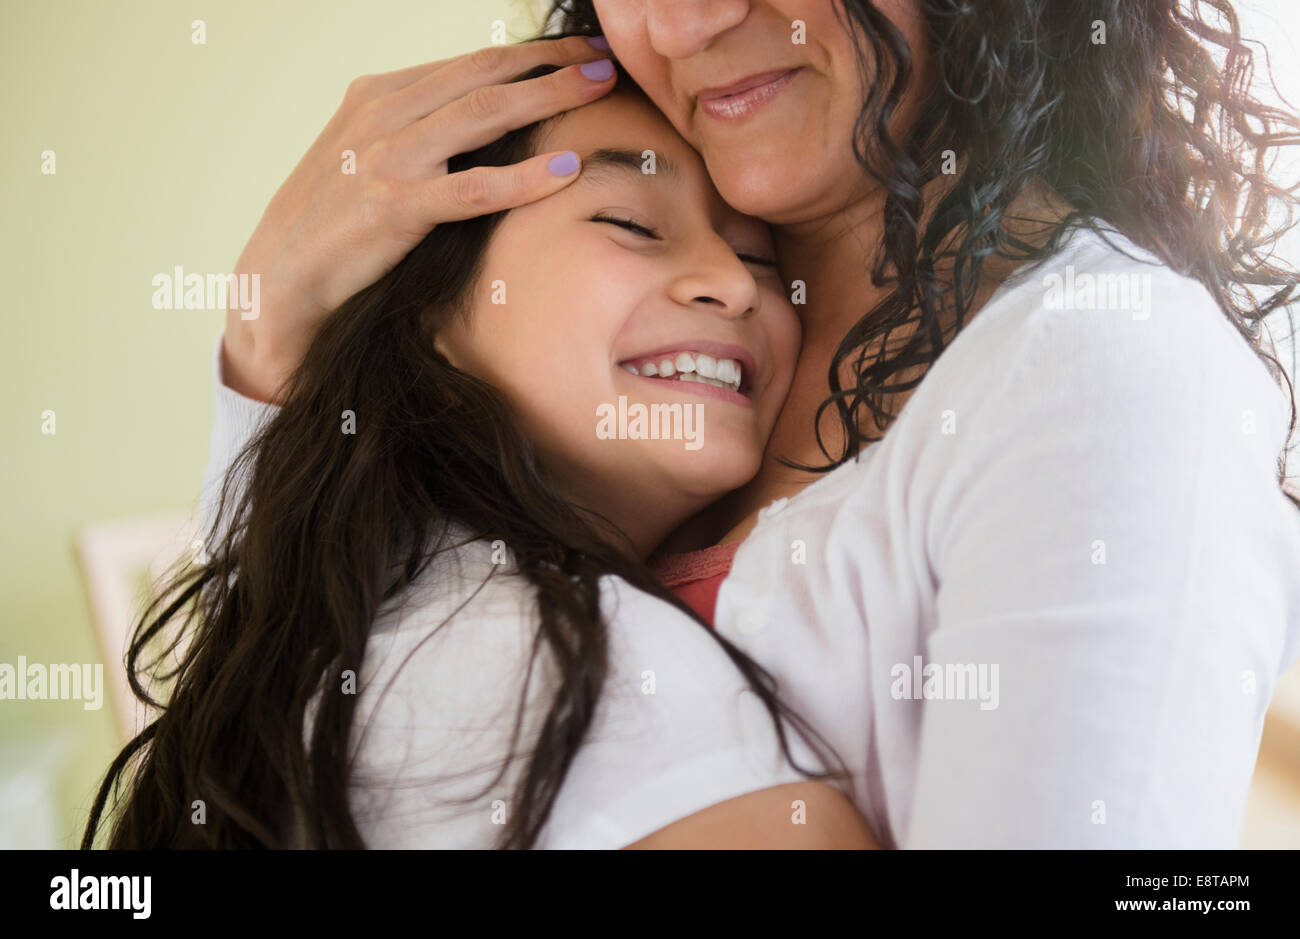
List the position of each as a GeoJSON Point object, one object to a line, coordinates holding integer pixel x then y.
{"type": "Point", "coordinates": [486, 189]}
{"type": "Point", "coordinates": [387, 83]}
{"type": "Point", "coordinates": [485, 114]}
{"type": "Point", "coordinates": [410, 94]}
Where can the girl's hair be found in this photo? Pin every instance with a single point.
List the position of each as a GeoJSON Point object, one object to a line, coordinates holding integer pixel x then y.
{"type": "Point", "coordinates": [1158, 133]}
{"type": "Point", "coordinates": [330, 527]}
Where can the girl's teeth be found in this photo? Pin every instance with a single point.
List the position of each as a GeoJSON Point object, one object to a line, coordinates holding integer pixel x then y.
{"type": "Point", "coordinates": [693, 366]}
{"type": "Point", "coordinates": [700, 379]}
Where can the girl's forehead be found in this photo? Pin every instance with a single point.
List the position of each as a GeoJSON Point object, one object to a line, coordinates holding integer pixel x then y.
{"type": "Point", "coordinates": [624, 134]}
{"type": "Point", "coordinates": [623, 120]}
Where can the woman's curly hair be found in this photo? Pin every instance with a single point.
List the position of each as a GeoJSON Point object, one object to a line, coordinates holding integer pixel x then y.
{"type": "Point", "coordinates": [1159, 132]}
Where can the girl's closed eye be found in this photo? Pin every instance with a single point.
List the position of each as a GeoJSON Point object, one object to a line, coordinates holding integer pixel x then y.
{"type": "Point", "coordinates": [648, 232]}
{"type": "Point", "coordinates": [630, 225]}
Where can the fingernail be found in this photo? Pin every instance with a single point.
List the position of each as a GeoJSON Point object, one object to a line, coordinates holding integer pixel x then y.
{"type": "Point", "coordinates": [599, 42]}
{"type": "Point", "coordinates": [566, 164]}
{"type": "Point", "coordinates": [602, 70]}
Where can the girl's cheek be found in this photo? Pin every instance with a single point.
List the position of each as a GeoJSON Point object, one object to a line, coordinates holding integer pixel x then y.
{"type": "Point", "coordinates": [785, 332]}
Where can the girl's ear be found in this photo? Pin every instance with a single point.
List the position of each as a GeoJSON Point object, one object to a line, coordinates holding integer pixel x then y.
{"type": "Point", "coordinates": [447, 342]}
{"type": "Point", "coordinates": [442, 347]}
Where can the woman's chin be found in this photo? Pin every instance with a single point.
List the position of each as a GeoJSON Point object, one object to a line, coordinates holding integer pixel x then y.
{"type": "Point", "coordinates": [777, 187]}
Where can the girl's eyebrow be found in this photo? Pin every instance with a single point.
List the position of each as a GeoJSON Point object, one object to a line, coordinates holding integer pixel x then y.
{"type": "Point", "coordinates": [597, 166]}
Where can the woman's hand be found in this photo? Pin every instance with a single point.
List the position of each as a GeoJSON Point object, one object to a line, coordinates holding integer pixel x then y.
{"type": "Point", "coordinates": [327, 234]}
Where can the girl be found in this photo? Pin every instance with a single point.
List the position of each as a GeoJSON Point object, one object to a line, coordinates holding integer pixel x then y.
{"type": "Point", "coordinates": [1036, 244]}
{"type": "Point", "coordinates": [426, 621]}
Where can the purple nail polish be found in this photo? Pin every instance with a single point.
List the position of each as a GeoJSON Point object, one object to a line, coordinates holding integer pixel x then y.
{"type": "Point", "coordinates": [599, 42]}
{"type": "Point", "coordinates": [602, 70]}
{"type": "Point", "coordinates": [566, 164]}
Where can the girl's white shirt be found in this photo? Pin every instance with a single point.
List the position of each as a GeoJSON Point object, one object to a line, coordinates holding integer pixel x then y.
{"type": "Point", "coordinates": [676, 730]}
{"type": "Point", "coordinates": [1048, 609]}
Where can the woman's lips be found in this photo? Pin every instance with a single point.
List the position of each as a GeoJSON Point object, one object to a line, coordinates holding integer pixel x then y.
{"type": "Point", "coordinates": [730, 107]}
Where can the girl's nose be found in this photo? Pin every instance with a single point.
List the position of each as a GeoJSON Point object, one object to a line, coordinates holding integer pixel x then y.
{"type": "Point", "coordinates": [714, 277]}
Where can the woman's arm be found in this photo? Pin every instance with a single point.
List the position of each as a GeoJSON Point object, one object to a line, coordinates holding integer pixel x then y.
{"type": "Point", "coordinates": [1109, 535]}
{"type": "Point", "coordinates": [339, 223]}
{"type": "Point", "coordinates": [236, 419]}
{"type": "Point", "coordinates": [805, 815]}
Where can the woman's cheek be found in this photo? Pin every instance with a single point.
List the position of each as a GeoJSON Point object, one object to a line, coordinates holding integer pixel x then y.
{"type": "Point", "coordinates": [624, 28]}
{"type": "Point", "coordinates": [785, 334]}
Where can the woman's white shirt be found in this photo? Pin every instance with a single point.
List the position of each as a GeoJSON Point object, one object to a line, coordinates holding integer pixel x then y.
{"type": "Point", "coordinates": [676, 729]}
{"type": "Point", "coordinates": [1079, 501]}
{"type": "Point", "coordinates": [1076, 520]}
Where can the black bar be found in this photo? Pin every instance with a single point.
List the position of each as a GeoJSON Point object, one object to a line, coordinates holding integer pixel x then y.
{"type": "Point", "coordinates": [466, 891]}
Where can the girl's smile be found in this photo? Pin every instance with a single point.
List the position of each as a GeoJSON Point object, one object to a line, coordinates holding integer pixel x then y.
{"type": "Point", "coordinates": [639, 282]}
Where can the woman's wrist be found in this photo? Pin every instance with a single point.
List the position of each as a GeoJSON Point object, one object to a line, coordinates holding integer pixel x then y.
{"type": "Point", "coordinates": [254, 364]}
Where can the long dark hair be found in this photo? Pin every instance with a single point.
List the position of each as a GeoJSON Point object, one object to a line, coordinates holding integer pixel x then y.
{"type": "Point", "coordinates": [1158, 133]}
{"type": "Point", "coordinates": [328, 528]}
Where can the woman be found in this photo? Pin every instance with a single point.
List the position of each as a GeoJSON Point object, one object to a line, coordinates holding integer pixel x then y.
{"type": "Point", "coordinates": [420, 624]}
{"type": "Point", "coordinates": [1026, 235]}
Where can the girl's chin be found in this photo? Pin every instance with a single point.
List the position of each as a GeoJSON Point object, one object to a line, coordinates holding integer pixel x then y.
{"type": "Point", "coordinates": [712, 471]}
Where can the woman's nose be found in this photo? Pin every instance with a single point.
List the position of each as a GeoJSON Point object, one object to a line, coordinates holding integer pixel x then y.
{"type": "Point", "coordinates": [678, 29]}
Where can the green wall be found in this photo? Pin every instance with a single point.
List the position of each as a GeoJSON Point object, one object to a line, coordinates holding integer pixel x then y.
{"type": "Point", "coordinates": [167, 153]}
